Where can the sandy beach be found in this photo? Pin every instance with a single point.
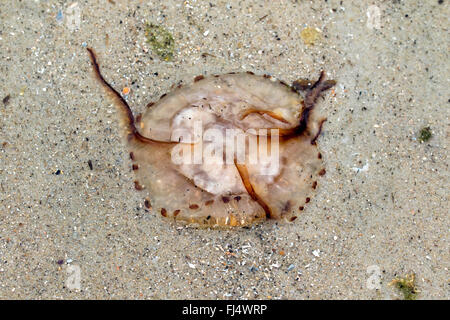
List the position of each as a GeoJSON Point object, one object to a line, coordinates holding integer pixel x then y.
{"type": "Point", "coordinates": [72, 225]}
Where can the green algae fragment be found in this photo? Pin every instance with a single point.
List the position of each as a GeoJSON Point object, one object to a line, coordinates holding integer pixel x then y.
{"type": "Point", "coordinates": [407, 286]}
{"type": "Point", "coordinates": [425, 134]}
{"type": "Point", "coordinates": [160, 40]}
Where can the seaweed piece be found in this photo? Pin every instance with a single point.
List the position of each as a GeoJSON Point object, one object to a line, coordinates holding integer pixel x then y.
{"type": "Point", "coordinates": [407, 286]}
{"type": "Point", "coordinates": [425, 134]}
{"type": "Point", "coordinates": [161, 41]}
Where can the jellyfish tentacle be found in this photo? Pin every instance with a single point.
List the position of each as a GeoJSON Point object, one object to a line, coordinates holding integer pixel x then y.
{"type": "Point", "coordinates": [313, 92]}
{"type": "Point", "coordinates": [305, 84]}
{"type": "Point", "coordinates": [319, 131]}
{"type": "Point", "coordinates": [127, 115]}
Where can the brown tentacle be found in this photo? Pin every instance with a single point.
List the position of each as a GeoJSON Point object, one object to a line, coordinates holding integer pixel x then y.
{"type": "Point", "coordinates": [304, 84]}
{"type": "Point", "coordinates": [124, 107]}
{"type": "Point", "coordinates": [313, 92]}
{"type": "Point", "coordinates": [313, 140]}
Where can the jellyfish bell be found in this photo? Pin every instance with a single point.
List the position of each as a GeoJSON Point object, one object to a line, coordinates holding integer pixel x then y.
{"type": "Point", "coordinates": [227, 150]}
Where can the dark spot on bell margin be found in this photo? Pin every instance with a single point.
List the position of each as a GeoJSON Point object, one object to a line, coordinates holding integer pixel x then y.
{"type": "Point", "coordinates": [147, 204]}
{"type": "Point", "coordinates": [249, 72]}
{"type": "Point", "coordinates": [138, 186]}
{"type": "Point", "coordinates": [301, 208]}
{"type": "Point", "coordinates": [163, 212]}
{"type": "Point", "coordinates": [307, 200]}
{"type": "Point", "coordinates": [193, 206]}
{"type": "Point", "coordinates": [135, 166]}
{"type": "Point", "coordinates": [176, 212]}
{"type": "Point", "coordinates": [198, 78]}
{"type": "Point", "coordinates": [139, 118]}
{"type": "Point", "coordinates": [165, 94]}
{"type": "Point", "coordinates": [225, 199]}
{"type": "Point", "coordinates": [319, 155]}
{"type": "Point", "coordinates": [132, 156]}
{"type": "Point", "coordinates": [150, 104]}
{"type": "Point", "coordinates": [237, 198]}
{"type": "Point", "coordinates": [292, 218]}
{"type": "Point", "coordinates": [314, 185]}
{"type": "Point", "coordinates": [208, 217]}
{"type": "Point", "coordinates": [322, 172]}
{"type": "Point", "coordinates": [266, 76]}
{"type": "Point", "coordinates": [209, 202]}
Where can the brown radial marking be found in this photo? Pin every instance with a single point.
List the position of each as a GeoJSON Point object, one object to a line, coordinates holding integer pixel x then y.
{"type": "Point", "coordinates": [163, 212]}
{"type": "Point", "coordinates": [225, 199]}
{"type": "Point", "coordinates": [314, 185]}
{"type": "Point", "coordinates": [193, 206]}
{"type": "Point", "coordinates": [237, 198]}
{"type": "Point", "coordinates": [313, 140]}
{"type": "Point", "coordinates": [209, 202]}
{"type": "Point", "coordinates": [292, 218]}
{"type": "Point", "coordinates": [147, 204]}
{"type": "Point", "coordinates": [243, 172]}
{"type": "Point", "coordinates": [249, 72]}
{"type": "Point", "coordinates": [132, 156]}
{"type": "Point", "coordinates": [150, 104]}
{"type": "Point", "coordinates": [124, 105]}
{"type": "Point", "coordinates": [261, 112]}
{"type": "Point", "coordinates": [176, 212]}
{"type": "Point", "coordinates": [135, 167]}
{"type": "Point", "coordinates": [319, 155]}
{"type": "Point", "coordinates": [308, 199]}
{"type": "Point", "coordinates": [322, 172]}
{"type": "Point", "coordinates": [301, 208]}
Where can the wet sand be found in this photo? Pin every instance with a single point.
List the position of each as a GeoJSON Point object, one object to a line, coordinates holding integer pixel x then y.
{"type": "Point", "coordinates": [380, 211]}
